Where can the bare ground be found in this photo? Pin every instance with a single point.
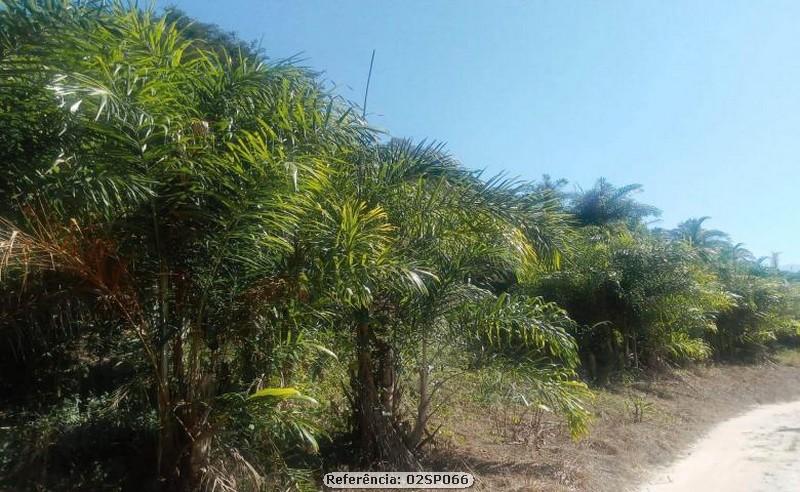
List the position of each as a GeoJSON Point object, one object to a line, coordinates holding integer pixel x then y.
{"type": "Point", "coordinates": [639, 427]}
{"type": "Point", "coordinates": [754, 452]}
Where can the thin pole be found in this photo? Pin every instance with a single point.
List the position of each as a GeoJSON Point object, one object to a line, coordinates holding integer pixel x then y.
{"type": "Point", "coordinates": [366, 91]}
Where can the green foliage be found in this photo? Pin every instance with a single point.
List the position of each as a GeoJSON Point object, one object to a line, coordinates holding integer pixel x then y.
{"type": "Point", "coordinates": [515, 327]}
{"type": "Point", "coordinates": [536, 384]}
{"type": "Point", "coordinates": [198, 245]}
{"type": "Point", "coordinates": [764, 309]}
{"type": "Point", "coordinates": [607, 205]}
{"type": "Point", "coordinates": [55, 446]}
{"type": "Point", "coordinates": [219, 213]}
{"type": "Point", "coordinates": [637, 298]}
{"type": "Point", "coordinates": [638, 407]}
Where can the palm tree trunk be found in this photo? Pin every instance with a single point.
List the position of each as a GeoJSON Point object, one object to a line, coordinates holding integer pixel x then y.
{"type": "Point", "coordinates": [379, 441]}
{"type": "Point", "coordinates": [184, 439]}
{"type": "Point", "coordinates": [186, 443]}
{"type": "Point", "coordinates": [366, 396]}
{"type": "Point", "coordinates": [424, 397]}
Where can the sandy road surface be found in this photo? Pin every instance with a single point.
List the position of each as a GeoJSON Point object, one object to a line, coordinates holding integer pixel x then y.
{"type": "Point", "coordinates": [755, 452]}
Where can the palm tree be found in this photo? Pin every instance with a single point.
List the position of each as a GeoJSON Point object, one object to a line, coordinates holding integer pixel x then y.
{"type": "Point", "coordinates": [605, 204]}
{"type": "Point", "coordinates": [451, 238]}
{"type": "Point", "coordinates": [775, 260]}
{"type": "Point", "coordinates": [734, 256]}
{"type": "Point", "coordinates": [739, 253]}
{"type": "Point", "coordinates": [212, 206]}
{"type": "Point", "coordinates": [705, 240]}
{"type": "Point", "coordinates": [172, 196]}
{"type": "Point", "coordinates": [207, 219]}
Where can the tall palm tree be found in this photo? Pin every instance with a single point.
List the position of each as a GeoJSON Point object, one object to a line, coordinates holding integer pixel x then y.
{"type": "Point", "coordinates": [775, 260]}
{"type": "Point", "coordinates": [739, 253]}
{"type": "Point", "coordinates": [211, 206]}
{"type": "Point", "coordinates": [605, 204]}
{"type": "Point", "coordinates": [445, 239]}
{"type": "Point", "coordinates": [172, 195]}
{"type": "Point", "coordinates": [706, 240]}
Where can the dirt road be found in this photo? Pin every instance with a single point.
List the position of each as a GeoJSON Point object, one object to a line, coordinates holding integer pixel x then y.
{"type": "Point", "coordinates": [755, 452]}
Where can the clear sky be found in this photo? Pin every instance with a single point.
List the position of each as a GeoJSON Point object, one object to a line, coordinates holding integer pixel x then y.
{"type": "Point", "coordinates": [699, 101]}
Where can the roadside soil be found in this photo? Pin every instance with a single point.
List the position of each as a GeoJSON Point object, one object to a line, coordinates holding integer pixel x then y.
{"type": "Point", "coordinates": [754, 452]}
{"type": "Point", "coordinates": [640, 427]}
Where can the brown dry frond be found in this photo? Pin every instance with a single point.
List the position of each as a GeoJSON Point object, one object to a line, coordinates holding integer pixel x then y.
{"type": "Point", "coordinates": [65, 249]}
{"type": "Point", "coordinates": [231, 472]}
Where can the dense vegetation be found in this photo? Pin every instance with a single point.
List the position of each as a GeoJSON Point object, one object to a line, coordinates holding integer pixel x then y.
{"type": "Point", "coordinates": [208, 262]}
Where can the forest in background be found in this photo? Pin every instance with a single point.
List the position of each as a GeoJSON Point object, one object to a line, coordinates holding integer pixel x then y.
{"type": "Point", "coordinates": [215, 275]}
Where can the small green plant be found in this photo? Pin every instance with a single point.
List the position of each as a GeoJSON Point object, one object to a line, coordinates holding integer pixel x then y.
{"type": "Point", "coordinates": [638, 406]}
{"type": "Point", "coordinates": [520, 422]}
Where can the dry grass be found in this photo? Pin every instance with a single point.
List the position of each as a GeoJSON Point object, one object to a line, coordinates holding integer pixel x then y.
{"type": "Point", "coordinates": [788, 357]}
{"type": "Point", "coordinates": [639, 426]}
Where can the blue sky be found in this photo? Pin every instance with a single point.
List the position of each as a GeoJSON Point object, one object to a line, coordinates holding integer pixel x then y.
{"type": "Point", "coordinates": [699, 101]}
